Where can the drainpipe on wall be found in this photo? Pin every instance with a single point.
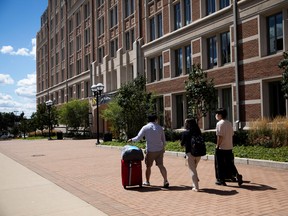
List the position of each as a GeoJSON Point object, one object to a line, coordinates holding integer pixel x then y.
{"type": "Point", "coordinates": [236, 64]}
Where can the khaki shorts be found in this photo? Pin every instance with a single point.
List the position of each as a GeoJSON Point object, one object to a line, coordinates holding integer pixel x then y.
{"type": "Point", "coordinates": [157, 156]}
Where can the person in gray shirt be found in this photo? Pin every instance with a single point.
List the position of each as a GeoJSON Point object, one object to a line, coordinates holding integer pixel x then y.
{"type": "Point", "coordinates": [155, 147]}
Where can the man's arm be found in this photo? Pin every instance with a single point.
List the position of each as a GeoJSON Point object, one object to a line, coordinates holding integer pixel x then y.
{"type": "Point", "coordinates": [219, 141]}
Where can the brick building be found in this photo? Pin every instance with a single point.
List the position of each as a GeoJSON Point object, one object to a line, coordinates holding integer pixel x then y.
{"type": "Point", "coordinates": [84, 42]}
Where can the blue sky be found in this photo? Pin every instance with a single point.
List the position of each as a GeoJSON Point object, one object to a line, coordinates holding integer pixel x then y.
{"type": "Point", "coordinates": [19, 24]}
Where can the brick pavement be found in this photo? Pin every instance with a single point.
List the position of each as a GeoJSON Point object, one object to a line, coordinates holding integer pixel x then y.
{"type": "Point", "coordinates": [93, 174]}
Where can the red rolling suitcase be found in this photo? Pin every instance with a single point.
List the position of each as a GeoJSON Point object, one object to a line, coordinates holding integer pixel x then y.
{"type": "Point", "coordinates": [131, 172]}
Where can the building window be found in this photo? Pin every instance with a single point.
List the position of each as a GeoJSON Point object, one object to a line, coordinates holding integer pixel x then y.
{"type": "Point", "coordinates": [100, 54]}
{"type": "Point", "coordinates": [156, 68]}
{"type": "Point", "coordinates": [178, 62]}
{"type": "Point", "coordinates": [87, 36]}
{"type": "Point", "coordinates": [129, 39]}
{"type": "Point", "coordinates": [78, 18]}
{"type": "Point", "coordinates": [100, 2]}
{"type": "Point", "coordinates": [156, 30]}
{"type": "Point", "coordinates": [159, 26]}
{"type": "Point", "coordinates": [71, 72]}
{"type": "Point", "coordinates": [78, 66]}
{"type": "Point", "coordinates": [188, 61]}
{"type": "Point", "coordinates": [153, 69]}
{"type": "Point", "coordinates": [71, 48]}
{"type": "Point", "coordinates": [177, 16]}
{"type": "Point", "coordinates": [160, 67]}
{"type": "Point", "coordinates": [113, 17]}
{"type": "Point", "coordinates": [275, 33]}
{"type": "Point", "coordinates": [113, 47]}
{"type": "Point", "coordinates": [87, 10]}
{"type": "Point", "coordinates": [225, 48]}
{"type": "Point", "coordinates": [101, 26]}
{"type": "Point", "coordinates": [224, 3]}
{"type": "Point", "coordinates": [152, 29]}
{"type": "Point", "coordinates": [129, 7]}
{"type": "Point", "coordinates": [78, 91]}
{"type": "Point", "coordinates": [210, 6]}
{"type": "Point", "coordinates": [212, 52]}
{"type": "Point", "coordinates": [187, 15]}
{"type": "Point", "coordinates": [78, 42]}
{"type": "Point", "coordinates": [87, 62]}
{"type": "Point", "coordinates": [70, 92]}
{"type": "Point", "coordinates": [159, 107]}
{"type": "Point", "coordinates": [179, 111]}
{"type": "Point", "coordinates": [70, 26]}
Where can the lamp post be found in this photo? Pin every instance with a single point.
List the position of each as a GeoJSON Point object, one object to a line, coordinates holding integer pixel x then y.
{"type": "Point", "coordinates": [49, 104]}
{"type": "Point", "coordinates": [97, 90]}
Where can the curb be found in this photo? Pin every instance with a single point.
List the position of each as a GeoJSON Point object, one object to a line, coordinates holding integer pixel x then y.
{"type": "Point", "coordinates": [237, 160]}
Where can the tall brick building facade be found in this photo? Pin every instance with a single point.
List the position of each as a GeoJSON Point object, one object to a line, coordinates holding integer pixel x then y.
{"type": "Point", "coordinates": [83, 42]}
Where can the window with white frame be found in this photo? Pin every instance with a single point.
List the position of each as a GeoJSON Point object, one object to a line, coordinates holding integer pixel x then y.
{"type": "Point", "coordinates": [156, 68]}
{"type": "Point", "coordinates": [224, 3]}
{"type": "Point", "coordinates": [129, 7]}
{"type": "Point", "coordinates": [100, 54]}
{"type": "Point", "coordinates": [113, 47]}
{"type": "Point", "coordinates": [275, 33]}
{"type": "Point", "coordinates": [156, 27]}
{"type": "Point", "coordinates": [113, 16]}
{"type": "Point", "coordinates": [78, 66]}
{"type": "Point", "coordinates": [129, 39]}
{"type": "Point", "coordinates": [87, 62]}
{"type": "Point", "coordinates": [87, 36]}
{"type": "Point", "coordinates": [225, 48]}
{"type": "Point", "coordinates": [178, 62]}
{"type": "Point", "coordinates": [210, 6]}
{"type": "Point", "coordinates": [212, 52]}
{"type": "Point", "coordinates": [100, 26]}
{"type": "Point", "coordinates": [87, 10]}
{"type": "Point", "coordinates": [182, 13]}
{"type": "Point", "coordinates": [78, 42]}
{"type": "Point", "coordinates": [78, 18]}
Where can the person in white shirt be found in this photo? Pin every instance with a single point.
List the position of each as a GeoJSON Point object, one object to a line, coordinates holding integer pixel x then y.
{"type": "Point", "coordinates": [224, 158]}
{"type": "Point", "coordinates": [155, 147]}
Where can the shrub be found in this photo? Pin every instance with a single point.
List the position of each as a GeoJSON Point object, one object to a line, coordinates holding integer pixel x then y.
{"type": "Point", "coordinates": [172, 135]}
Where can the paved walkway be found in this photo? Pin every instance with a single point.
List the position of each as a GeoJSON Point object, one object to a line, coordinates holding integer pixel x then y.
{"type": "Point", "coordinates": [91, 179]}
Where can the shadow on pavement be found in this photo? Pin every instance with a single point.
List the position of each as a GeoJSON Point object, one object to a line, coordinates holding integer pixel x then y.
{"type": "Point", "coordinates": [255, 187]}
{"type": "Point", "coordinates": [219, 192]}
{"type": "Point", "coordinates": [159, 188]}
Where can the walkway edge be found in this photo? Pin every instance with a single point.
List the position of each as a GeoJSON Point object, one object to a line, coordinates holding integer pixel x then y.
{"type": "Point", "coordinates": [237, 160]}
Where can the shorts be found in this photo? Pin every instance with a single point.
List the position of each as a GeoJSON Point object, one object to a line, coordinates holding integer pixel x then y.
{"type": "Point", "coordinates": [157, 156]}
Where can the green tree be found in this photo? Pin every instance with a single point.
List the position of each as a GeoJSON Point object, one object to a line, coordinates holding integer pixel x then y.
{"type": "Point", "coordinates": [201, 94]}
{"type": "Point", "coordinates": [113, 114]}
{"type": "Point", "coordinates": [132, 104]}
{"type": "Point", "coordinates": [75, 114]}
{"type": "Point", "coordinates": [284, 65]}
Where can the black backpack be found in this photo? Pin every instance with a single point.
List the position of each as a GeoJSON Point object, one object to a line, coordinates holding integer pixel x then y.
{"type": "Point", "coordinates": [198, 147]}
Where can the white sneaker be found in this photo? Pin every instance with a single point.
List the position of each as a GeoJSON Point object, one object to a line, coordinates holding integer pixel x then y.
{"type": "Point", "coordinates": [194, 189]}
{"type": "Point", "coordinates": [146, 183]}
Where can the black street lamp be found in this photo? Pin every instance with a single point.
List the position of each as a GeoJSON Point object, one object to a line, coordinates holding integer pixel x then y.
{"type": "Point", "coordinates": [97, 90]}
{"type": "Point", "coordinates": [49, 104]}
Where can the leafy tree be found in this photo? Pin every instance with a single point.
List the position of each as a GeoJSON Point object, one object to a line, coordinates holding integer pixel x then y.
{"type": "Point", "coordinates": [113, 114]}
{"type": "Point", "coordinates": [201, 94]}
{"type": "Point", "coordinates": [75, 114]}
{"type": "Point", "coordinates": [284, 65]}
{"type": "Point", "coordinates": [24, 126]}
{"type": "Point", "coordinates": [132, 104]}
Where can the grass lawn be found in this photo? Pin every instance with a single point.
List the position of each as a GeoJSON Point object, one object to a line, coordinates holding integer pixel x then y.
{"type": "Point", "coordinates": [253, 152]}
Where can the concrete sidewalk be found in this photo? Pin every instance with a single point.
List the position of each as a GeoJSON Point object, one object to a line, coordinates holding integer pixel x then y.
{"type": "Point", "coordinates": [93, 175]}
{"type": "Point", "coordinates": [25, 193]}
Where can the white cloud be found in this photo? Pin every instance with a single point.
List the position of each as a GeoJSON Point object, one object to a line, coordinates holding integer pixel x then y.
{"type": "Point", "coordinates": [29, 81]}
{"type": "Point", "coordinates": [21, 51]}
{"type": "Point", "coordinates": [8, 105]}
{"type": "Point", "coordinates": [6, 79]}
{"type": "Point", "coordinates": [27, 86]}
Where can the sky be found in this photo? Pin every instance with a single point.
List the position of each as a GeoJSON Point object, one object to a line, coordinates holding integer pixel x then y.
{"type": "Point", "coordinates": [19, 24]}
